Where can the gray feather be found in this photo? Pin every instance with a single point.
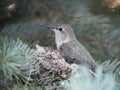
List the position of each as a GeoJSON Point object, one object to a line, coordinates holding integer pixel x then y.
{"type": "Point", "coordinates": [74, 52]}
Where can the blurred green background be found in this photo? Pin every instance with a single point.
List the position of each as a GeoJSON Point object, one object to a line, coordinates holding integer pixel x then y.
{"type": "Point", "coordinates": [96, 23]}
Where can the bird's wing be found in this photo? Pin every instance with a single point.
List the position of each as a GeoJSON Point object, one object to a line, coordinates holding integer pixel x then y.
{"type": "Point", "coordinates": [74, 54]}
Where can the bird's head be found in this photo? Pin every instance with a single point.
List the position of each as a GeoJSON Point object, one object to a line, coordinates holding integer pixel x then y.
{"type": "Point", "coordinates": [63, 33]}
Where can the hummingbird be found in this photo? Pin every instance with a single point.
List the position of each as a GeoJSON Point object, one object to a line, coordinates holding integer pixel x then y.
{"type": "Point", "coordinates": [70, 48]}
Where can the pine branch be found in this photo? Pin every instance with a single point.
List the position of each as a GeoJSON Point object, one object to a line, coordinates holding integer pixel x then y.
{"type": "Point", "coordinates": [83, 80]}
{"type": "Point", "coordinates": [16, 60]}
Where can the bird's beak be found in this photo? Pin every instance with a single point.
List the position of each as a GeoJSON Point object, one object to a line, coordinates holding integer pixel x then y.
{"type": "Point", "coordinates": [47, 26]}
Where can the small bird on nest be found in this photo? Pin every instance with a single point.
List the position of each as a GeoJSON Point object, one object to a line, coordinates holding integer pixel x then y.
{"type": "Point", "coordinates": [70, 48]}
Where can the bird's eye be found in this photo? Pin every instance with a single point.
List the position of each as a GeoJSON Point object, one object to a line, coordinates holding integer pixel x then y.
{"type": "Point", "coordinates": [60, 29]}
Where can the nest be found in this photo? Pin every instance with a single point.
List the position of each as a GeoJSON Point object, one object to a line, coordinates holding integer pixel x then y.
{"type": "Point", "coordinates": [53, 67]}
